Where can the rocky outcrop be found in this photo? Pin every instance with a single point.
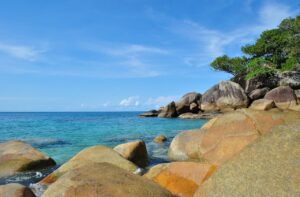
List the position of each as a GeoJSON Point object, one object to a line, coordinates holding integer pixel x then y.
{"type": "Point", "coordinates": [94, 154]}
{"type": "Point", "coordinates": [283, 96]}
{"type": "Point", "coordinates": [262, 104]}
{"type": "Point", "coordinates": [103, 179]}
{"type": "Point", "coordinates": [268, 167]}
{"type": "Point", "coordinates": [15, 190]}
{"type": "Point", "coordinates": [151, 113]}
{"type": "Point", "coordinates": [290, 78]}
{"type": "Point", "coordinates": [227, 135]}
{"type": "Point", "coordinates": [160, 139]}
{"type": "Point", "coordinates": [181, 178]}
{"type": "Point", "coordinates": [258, 93]}
{"type": "Point", "coordinates": [264, 81]}
{"type": "Point", "coordinates": [207, 115]}
{"type": "Point", "coordinates": [17, 156]}
{"type": "Point", "coordinates": [135, 152]}
{"type": "Point", "coordinates": [189, 102]}
{"type": "Point", "coordinates": [169, 111]}
{"type": "Point", "coordinates": [224, 95]}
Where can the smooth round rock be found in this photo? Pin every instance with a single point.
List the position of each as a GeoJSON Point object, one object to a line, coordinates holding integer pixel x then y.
{"type": "Point", "coordinates": [17, 156]}
{"type": "Point", "coordinates": [91, 155]}
{"type": "Point", "coordinates": [160, 139]}
{"type": "Point", "coordinates": [134, 151]}
{"type": "Point", "coordinates": [102, 180]}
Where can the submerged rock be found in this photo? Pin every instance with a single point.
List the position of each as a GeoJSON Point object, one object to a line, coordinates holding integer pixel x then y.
{"type": "Point", "coordinates": [134, 151]}
{"type": "Point", "coordinates": [160, 139]}
{"type": "Point", "coordinates": [206, 115]}
{"type": "Point", "coordinates": [268, 167]}
{"type": "Point", "coordinates": [224, 95]}
{"type": "Point", "coordinates": [225, 136]}
{"type": "Point", "coordinates": [17, 156]}
{"type": "Point", "coordinates": [181, 178]}
{"type": "Point", "coordinates": [101, 180]}
{"type": "Point", "coordinates": [283, 96]}
{"type": "Point", "coordinates": [151, 113]}
{"type": "Point", "coordinates": [91, 155]}
{"type": "Point", "coordinates": [15, 190]}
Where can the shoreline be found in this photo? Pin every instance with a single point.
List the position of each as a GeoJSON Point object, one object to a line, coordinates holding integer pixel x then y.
{"type": "Point", "coordinates": [230, 112]}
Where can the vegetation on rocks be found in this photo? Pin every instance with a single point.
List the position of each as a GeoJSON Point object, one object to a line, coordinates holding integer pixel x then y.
{"type": "Point", "coordinates": [275, 51]}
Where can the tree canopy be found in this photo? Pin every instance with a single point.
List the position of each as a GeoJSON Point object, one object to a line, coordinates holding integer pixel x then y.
{"type": "Point", "coordinates": [276, 50]}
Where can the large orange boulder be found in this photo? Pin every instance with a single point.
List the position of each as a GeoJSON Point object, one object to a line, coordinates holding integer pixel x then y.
{"type": "Point", "coordinates": [90, 155]}
{"type": "Point", "coordinates": [17, 156]}
{"type": "Point", "coordinates": [102, 180]}
{"type": "Point", "coordinates": [181, 178]}
{"type": "Point", "coordinates": [225, 136]}
{"type": "Point", "coordinates": [268, 167]}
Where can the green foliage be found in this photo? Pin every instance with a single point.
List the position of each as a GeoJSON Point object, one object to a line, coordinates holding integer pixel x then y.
{"type": "Point", "coordinates": [258, 67]}
{"type": "Point", "coordinates": [276, 50]}
{"type": "Point", "coordinates": [230, 65]}
{"type": "Point", "coordinates": [290, 64]}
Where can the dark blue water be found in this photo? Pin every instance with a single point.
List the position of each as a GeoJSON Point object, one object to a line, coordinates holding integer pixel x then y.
{"type": "Point", "coordinates": [62, 135]}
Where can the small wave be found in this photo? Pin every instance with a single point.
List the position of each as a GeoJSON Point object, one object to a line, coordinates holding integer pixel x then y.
{"type": "Point", "coordinates": [125, 139]}
{"type": "Point", "coordinates": [45, 142]}
{"type": "Point", "coordinates": [28, 177]}
{"type": "Point", "coordinates": [37, 189]}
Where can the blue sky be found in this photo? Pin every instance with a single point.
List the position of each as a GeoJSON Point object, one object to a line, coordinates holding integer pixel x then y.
{"type": "Point", "coordinates": [120, 55]}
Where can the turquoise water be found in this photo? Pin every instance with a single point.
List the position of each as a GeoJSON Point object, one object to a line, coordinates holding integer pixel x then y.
{"type": "Point", "coordinates": [62, 135]}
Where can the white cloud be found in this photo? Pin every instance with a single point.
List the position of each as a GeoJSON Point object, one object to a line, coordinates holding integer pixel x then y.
{"type": "Point", "coordinates": [212, 43]}
{"type": "Point", "coordinates": [106, 104]}
{"type": "Point", "coordinates": [22, 52]}
{"type": "Point", "coordinates": [132, 50]}
{"type": "Point", "coordinates": [271, 14]}
{"type": "Point", "coordinates": [134, 59]}
{"type": "Point", "coordinates": [130, 101]}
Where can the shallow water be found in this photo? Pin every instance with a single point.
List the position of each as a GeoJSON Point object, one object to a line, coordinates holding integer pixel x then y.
{"type": "Point", "coordinates": [62, 135]}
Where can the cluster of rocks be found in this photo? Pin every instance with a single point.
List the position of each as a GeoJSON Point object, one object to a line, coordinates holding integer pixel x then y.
{"type": "Point", "coordinates": [251, 149]}
{"type": "Point", "coordinates": [244, 152]}
{"type": "Point", "coordinates": [240, 153]}
{"type": "Point", "coordinates": [261, 93]}
{"type": "Point", "coordinates": [95, 171]}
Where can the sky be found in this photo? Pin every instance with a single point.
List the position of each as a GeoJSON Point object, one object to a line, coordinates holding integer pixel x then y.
{"type": "Point", "coordinates": [121, 55]}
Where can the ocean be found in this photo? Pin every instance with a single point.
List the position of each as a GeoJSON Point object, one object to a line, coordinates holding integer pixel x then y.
{"type": "Point", "coordinates": [63, 134]}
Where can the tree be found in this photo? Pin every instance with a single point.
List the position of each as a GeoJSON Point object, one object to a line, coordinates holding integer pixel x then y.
{"type": "Point", "coordinates": [231, 65]}
{"type": "Point", "coordinates": [276, 50]}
